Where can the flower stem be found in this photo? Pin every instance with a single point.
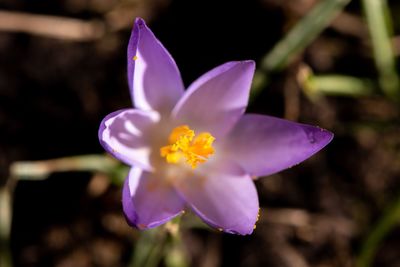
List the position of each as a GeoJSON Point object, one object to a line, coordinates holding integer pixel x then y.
{"type": "Point", "coordinates": [175, 255]}
{"type": "Point", "coordinates": [148, 248]}
{"type": "Point", "coordinates": [160, 243]}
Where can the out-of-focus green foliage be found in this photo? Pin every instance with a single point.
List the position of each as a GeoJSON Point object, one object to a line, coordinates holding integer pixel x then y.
{"type": "Point", "coordinates": [302, 34]}
{"type": "Point", "coordinates": [5, 225]}
{"type": "Point", "coordinates": [160, 243]}
{"type": "Point", "coordinates": [390, 219]}
{"type": "Point", "coordinates": [380, 29]}
{"type": "Point", "coordinates": [298, 38]}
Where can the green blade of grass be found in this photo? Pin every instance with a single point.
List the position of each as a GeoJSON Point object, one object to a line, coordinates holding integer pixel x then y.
{"type": "Point", "coordinates": [379, 25]}
{"type": "Point", "coordinates": [383, 227]}
{"type": "Point", "coordinates": [5, 225]}
{"type": "Point", "coordinates": [302, 34]}
{"type": "Point", "coordinates": [40, 170]}
{"type": "Point", "coordinates": [338, 85]}
{"type": "Point", "coordinates": [298, 38]}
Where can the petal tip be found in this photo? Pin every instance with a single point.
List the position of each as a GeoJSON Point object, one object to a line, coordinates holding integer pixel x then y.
{"type": "Point", "coordinates": [139, 20]}
{"type": "Point", "coordinates": [247, 65]}
{"type": "Point", "coordinates": [329, 136]}
{"type": "Point", "coordinates": [321, 136]}
{"type": "Point", "coordinates": [140, 23]}
{"type": "Point", "coordinates": [242, 232]}
{"type": "Point", "coordinates": [250, 62]}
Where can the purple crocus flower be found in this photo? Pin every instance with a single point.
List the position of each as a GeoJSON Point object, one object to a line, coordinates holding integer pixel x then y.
{"type": "Point", "coordinates": [197, 148]}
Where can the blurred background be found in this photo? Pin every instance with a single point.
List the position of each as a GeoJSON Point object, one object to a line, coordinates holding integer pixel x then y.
{"type": "Point", "coordinates": [332, 63]}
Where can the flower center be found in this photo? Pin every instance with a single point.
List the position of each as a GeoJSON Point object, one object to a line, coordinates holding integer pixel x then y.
{"type": "Point", "coordinates": [184, 144]}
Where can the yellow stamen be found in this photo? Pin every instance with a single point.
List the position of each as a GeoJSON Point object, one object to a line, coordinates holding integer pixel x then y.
{"type": "Point", "coordinates": [134, 57]}
{"type": "Point", "coordinates": [183, 143]}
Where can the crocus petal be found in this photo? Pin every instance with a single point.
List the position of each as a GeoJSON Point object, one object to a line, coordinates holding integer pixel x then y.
{"type": "Point", "coordinates": [226, 200]}
{"type": "Point", "coordinates": [154, 79]}
{"type": "Point", "coordinates": [148, 202]}
{"type": "Point", "coordinates": [215, 102]}
{"type": "Point", "coordinates": [264, 145]}
{"type": "Point", "coordinates": [123, 134]}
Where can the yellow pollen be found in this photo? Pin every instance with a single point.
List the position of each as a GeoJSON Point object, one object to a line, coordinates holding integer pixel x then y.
{"type": "Point", "coordinates": [183, 143]}
{"type": "Point", "coordinates": [134, 57]}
